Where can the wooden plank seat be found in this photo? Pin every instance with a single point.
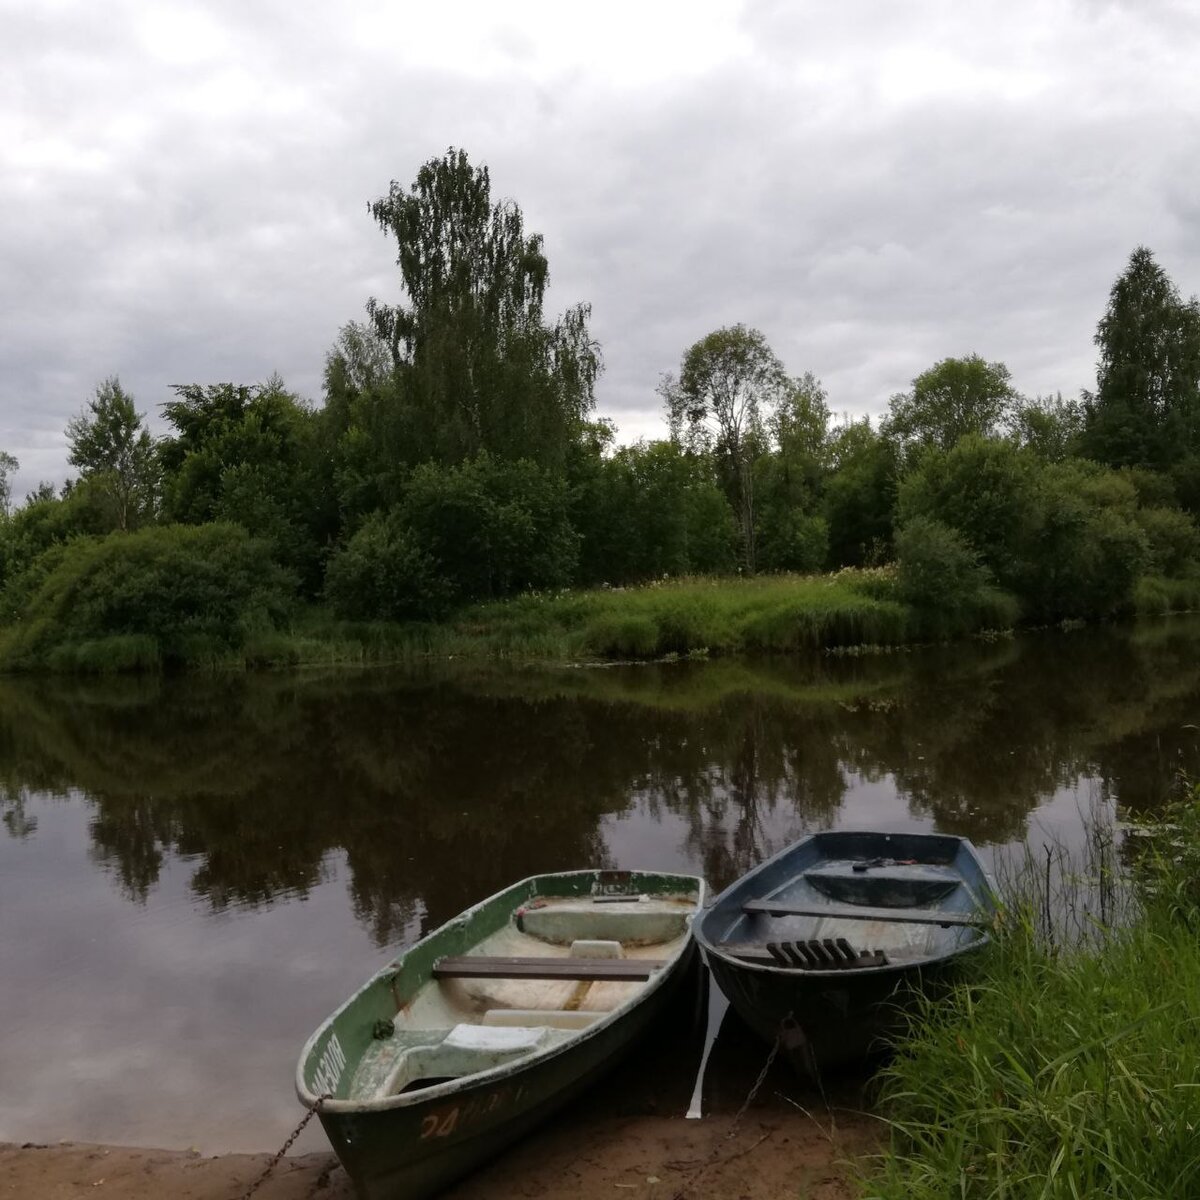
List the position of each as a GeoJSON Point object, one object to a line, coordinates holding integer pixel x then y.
{"type": "Point", "coordinates": [595, 970]}
{"type": "Point", "coordinates": [860, 912]}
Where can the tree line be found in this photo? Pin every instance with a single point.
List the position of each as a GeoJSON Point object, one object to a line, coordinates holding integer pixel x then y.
{"type": "Point", "coordinates": [456, 457]}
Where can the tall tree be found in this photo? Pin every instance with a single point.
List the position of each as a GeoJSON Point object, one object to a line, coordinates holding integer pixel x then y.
{"type": "Point", "coordinates": [481, 368]}
{"type": "Point", "coordinates": [1145, 410]}
{"type": "Point", "coordinates": [729, 383]}
{"type": "Point", "coordinates": [954, 398]}
{"type": "Point", "coordinates": [8, 468]}
{"type": "Point", "coordinates": [115, 453]}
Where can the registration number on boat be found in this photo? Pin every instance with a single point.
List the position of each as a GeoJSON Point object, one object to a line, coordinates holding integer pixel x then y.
{"type": "Point", "coordinates": [445, 1121]}
{"type": "Point", "coordinates": [329, 1067]}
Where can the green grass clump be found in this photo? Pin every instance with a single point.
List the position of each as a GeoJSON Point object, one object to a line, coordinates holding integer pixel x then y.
{"type": "Point", "coordinates": [1154, 595]}
{"type": "Point", "coordinates": [716, 616]}
{"type": "Point", "coordinates": [1061, 1069]}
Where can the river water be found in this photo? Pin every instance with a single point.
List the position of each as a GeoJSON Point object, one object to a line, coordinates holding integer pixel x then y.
{"type": "Point", "coordinates": [193, 872]}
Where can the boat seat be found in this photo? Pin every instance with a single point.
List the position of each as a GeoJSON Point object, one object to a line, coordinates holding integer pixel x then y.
{"type": "Point", "coordinates": [630, 922]}
{"type": "Point", "coordinates": [914, 887]}
{"type": "Point", "coordinates": [551, 1018]}
{"type": "Point", "coordinates": [777, 908]}
{"type": "Point", "coordinates": [463, 1050]}
{"type": "Point", "coordinates": [606, 970]}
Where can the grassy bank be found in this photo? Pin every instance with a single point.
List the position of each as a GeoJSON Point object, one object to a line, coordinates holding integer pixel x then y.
{"type": "Point", "coordinates": [1070, 1065]}
{"type": "Point", "coordinates": [848, 611]}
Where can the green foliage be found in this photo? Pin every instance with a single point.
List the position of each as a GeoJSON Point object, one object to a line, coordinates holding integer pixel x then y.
{"type": "Point", "coordinates": [492, 527]}
{"type": "Point", "coordinates": [790, 531]}
{"type": "Point", "coordinates": [8, 468]}
{"type": "Point", "coordinates": [859, 498]}
{"type": "Point", "coordinates": [649, 510]}
{"type": "Point", "coordinates": [941, 577]}
{"type": "Point", "coordinates": [1061, 1070]}
{"type": "Point", "coordinates": [181, 593]}
{"type": "Point", "coordinates": [1173, 540]}
{"type": "Point", "coordinates": [1049, 426]}
{"type": "Point", "coordinates": [776, 613]}
{"type": "Point", "coordinates": [115, 454]}
{"type": "Point", "coordinates": [476, 366]}
{"type": "Point", "coordinates": [790, 539]}
{"type": "Point", "coordinates": [1146, 407]}
{"type": "Point", "coordinates": [1063, 537]}
{"type": "Point", "coordinates": [45, 520]}
{"type": "Point", "coordinates": [984, 488]}
{"type": "Point", "coordinates": [955, 398]}
{"type": "Point", "coordinates": [729, 382]}
{"type": "Point", "coordinates": [382, 573]}
{"type": "Point", "coordinates": [483, 529]}
{"type": "Point", "coordinates": [255, 456]}
{"type": "Point", "coordinates": [1085, 550]}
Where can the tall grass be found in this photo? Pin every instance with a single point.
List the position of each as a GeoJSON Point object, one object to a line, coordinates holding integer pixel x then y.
{"type": "Point", "coordinates": [697, 616]}
{"type": "Point", "coordinates": [1069, 1066]}
{"type": "Point", "coordinates": [1154, 595]}
{"type": "Point", "coordinates": [778, 613]}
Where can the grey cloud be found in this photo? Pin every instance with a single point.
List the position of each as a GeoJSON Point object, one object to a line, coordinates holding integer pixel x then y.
{"type": "Point", "coordinates": [873, 187]}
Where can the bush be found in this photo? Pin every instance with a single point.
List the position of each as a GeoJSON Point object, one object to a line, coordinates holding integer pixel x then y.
{"type": "Point", "coordinates": [491, 528]}
{"type": "Point", "coordinates": [382, 574]}
{"type": "Point", "coordinates": [132, 600]}
{"type": "Point", "coordinates": [1087, 551]}
{"type": "Point", "coordinates": [940, 575]}
{"type": "Point", "coordinates": [986, 490]}
{"type": "Point", "coordinates": [1173, 540]}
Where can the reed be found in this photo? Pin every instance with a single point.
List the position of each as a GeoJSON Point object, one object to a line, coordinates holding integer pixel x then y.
{"type": "Point", "coordinates": [1069, 1064]}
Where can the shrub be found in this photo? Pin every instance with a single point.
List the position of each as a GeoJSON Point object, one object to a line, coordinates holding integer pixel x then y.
{"type": "Point", "coordinates": [492, 528]}
{"type": "Point", "coordinates": [382, 574]}
{"type": "Point", "coordinates": [939, 574]}
{"type": "Point", "coordinates": [160, 592]}
{"type": "Point", "coordinates": [1173, 540]}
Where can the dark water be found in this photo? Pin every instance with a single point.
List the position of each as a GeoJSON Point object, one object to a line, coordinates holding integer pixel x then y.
{"type": "Point", "coordinates": [193, 872]}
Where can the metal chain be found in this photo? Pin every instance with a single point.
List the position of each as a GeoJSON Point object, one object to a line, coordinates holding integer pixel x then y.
{"type": "Point", "coordinates": [781, 1036]}
{"type": "Point", "coordinates": [762, 1077]}
{"type": "Point", "coordinates": [278, 1156]}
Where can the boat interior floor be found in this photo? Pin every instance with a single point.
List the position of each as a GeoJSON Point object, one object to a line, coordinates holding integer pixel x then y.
{"type": "Point", "coordinates": [476, 1013]}
{"type": "Point", "coordinates": [850, 914]}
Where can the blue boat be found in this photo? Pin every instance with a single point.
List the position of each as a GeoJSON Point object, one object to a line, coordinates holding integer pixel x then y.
{"type": "Point", "coordinates": [826, 945]}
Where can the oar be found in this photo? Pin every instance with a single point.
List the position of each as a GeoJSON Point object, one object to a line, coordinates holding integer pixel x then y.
{"type": "Point", "coordinates": [717, 1005]}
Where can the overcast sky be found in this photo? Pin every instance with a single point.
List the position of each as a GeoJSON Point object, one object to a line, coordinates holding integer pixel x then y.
{"type": "Point", "coordinates": [873, 184]}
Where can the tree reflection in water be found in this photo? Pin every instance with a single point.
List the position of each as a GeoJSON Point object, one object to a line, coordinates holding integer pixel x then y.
{"type": "Point", "coordinates": [441, 786]}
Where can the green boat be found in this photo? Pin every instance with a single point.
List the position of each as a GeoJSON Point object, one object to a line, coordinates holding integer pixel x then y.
{"type": "Point", "coordinates": [489, 1024]}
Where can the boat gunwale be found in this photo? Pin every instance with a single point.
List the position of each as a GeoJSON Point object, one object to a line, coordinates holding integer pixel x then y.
{"type": "Point", "coordinates": [710, 949]}
{"type": "Point", "coordinates": [503, 1070]}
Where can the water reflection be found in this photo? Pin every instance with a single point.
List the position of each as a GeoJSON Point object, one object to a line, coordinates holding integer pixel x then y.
{"type": "Point", "coordinates": [261, 831]}
{"type": "Point", "coordinates": [440, 789]}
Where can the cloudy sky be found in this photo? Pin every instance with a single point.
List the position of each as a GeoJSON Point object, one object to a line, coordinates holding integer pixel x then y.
{"type": "Point", "coordinates": [875, 185]}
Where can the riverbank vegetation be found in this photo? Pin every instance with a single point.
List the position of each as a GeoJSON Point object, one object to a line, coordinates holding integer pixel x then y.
{"type": "Point", "coordinates": [1070, 1065]}
{"type": "Point", "coordinates": [455, 493]}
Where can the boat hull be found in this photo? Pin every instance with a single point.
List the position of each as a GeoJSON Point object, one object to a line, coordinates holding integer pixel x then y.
{"type": "Point", "coordinates": [413, 1152]}
{"type": "Point", "coordinates": [475, 1034]}
{"type": "Point", "coordinates": [831, 886]}
{"type": "Point", "coordinates": [824, 1023]}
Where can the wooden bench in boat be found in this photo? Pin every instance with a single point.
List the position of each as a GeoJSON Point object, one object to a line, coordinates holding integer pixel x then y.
{"type": "Point", "coordinates": [595, 970]}
{"type": "Point", "coordinates": [860, 912]}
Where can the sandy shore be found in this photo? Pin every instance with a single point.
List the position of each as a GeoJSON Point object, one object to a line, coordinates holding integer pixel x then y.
{"type": "Point", "coordinates": [626, 1137]}
{"type": "Point", "coordinates": [777, 1152]}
